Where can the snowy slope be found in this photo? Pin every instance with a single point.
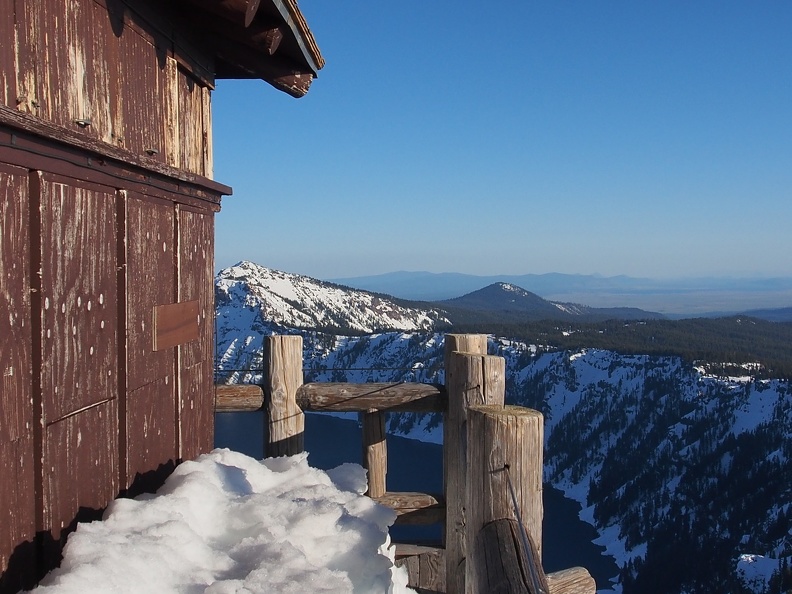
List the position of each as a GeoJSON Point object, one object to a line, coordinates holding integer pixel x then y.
{"type": "Point", "coordinates": [253, 301]}
{"type": "Point", "coordinates": [303, 302]}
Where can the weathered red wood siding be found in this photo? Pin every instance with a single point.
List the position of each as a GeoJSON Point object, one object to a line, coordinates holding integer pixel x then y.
{"type": "Point", "coordinates": [106, 213]}
{"type": "Point", "coordinates": [196, 358]}
{"type": "Point", "coordinates": [151, 281]}
{"type": "Point", "coordinates": [78, 62]}
{"type": "Point", "coordinates": [17, 505]}
{"type": "Point", "coordinates": [77, 303]}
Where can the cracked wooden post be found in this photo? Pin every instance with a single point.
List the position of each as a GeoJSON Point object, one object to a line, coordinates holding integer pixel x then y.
{"type": "Point", "coordinates": [505, 468]}
{"type": "Point", "coordinates": [472, 377]}
{"type": "Point", "coordinates": [375, 452]}
{"type": "Point", "coordinates": [285, 419]}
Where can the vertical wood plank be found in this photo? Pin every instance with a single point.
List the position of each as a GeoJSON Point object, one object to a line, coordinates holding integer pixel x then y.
{"type": "Point", "coordinates": [143, 84]}
{"type": "Point", "coordinates": [17, 515]}
{"type": "Point", "coordinates": [151, 405]}
{"type": "Point", "coordinates": [196, 410]}
{"type": "Point", "coordinates": [15, 316]}
{"type": "Point", "coordinates": [191, 132]}
{"type": "Point", "coordinates": [286, 421]}
{"type": "Point", "coordinates": [151, 435]}
{"type": "Point", "coordinates": [17, 510]}
{"type": "Point", "coordinates": [79, 316]}
{"type": "Point", "coordinates": [151, 273]}
{"type": "Point", "coordinates": [196, 402]}
{"type": "Point", "coordinates": [80, 473]}
{"type": "Point", "coordinates": [77, 308]}
{"type": "Point", "coordinates": [171, 110]}
{"type": "Point", "coordinates": [28, 94]}
{"type": "Point", "coordinates": [123, 358]}
{"type": "Point", "coordinates": [208, 156]}
{"type": "Point", "coordinates": [375, 452]}
{"type": "Point", "coordinates": [511, 440]}
{"type": "Point", "coordinates": [8, 58]}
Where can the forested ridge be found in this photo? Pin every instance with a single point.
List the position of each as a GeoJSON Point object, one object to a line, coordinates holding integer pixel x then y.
{"type": "Point", "coordinates": [718, 344]}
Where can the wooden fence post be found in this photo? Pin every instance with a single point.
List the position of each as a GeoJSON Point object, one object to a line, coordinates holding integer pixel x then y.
{"type": "Point", "coordinates": [471, 379]}
{"type": "Point", "coordinates": [285, 419]}
{"type": "Point", "coordinates": [505, 465]}
{"type": "Point", "coordinates": [375, 452]}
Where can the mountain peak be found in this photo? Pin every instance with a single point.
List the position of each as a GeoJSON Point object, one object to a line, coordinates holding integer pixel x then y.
{"type": "Point", "coordinates": [297, 301]}
{"type": "Point", "coordinates": [502, 296]}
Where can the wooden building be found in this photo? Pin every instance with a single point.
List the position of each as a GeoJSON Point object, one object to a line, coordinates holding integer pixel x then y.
{"type": "Point", "coordinates": [107, 211]}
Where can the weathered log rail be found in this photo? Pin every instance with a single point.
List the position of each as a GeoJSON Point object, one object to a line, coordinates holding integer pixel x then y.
{"type": "Point", "coordinates": [492, 456]}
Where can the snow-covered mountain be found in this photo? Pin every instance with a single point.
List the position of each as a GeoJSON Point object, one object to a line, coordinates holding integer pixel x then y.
{"type": "Point", "coordinates": [253, 301]}
{"type": "Point", "coordinates": [302, 302]}
{"type": "Point", "coordinates": [686, 475]}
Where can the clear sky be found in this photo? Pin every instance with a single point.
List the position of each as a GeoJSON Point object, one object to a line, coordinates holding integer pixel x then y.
{"type": "Point", "coordinates": [612, 137]}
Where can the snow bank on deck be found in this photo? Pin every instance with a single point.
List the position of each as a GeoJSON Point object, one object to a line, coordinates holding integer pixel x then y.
{"type": "Point", "coordinates": [227, 523]}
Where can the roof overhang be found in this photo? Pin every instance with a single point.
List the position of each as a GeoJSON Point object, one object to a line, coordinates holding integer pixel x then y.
{"type": "Point", "coordinates": [266, 39]}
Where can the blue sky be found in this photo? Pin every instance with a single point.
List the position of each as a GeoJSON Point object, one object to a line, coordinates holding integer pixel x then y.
{"type": "Point", "coordinates": [641, 138]}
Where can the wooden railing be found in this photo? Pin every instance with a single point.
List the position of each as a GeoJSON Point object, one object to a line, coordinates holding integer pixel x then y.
{"type": "Point", "coordinates": [492, 460]}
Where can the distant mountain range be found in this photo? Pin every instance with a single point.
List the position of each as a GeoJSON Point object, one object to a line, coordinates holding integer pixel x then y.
{"type": "Point", "coordinates": [705, 296]}
{"type": "Point", "coordinates": [248, 294]}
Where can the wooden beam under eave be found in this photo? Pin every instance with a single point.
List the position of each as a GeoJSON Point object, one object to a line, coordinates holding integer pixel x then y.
{"type": "Point", "coordinates": [268, 38]}
{"type": "Point", "coordinates": [295, 84]}
{"type": "Point", "coordinates": [279, 73]}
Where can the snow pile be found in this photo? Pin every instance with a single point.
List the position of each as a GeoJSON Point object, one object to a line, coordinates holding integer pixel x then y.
{"type": "Point", "coordinates": [227, 523]}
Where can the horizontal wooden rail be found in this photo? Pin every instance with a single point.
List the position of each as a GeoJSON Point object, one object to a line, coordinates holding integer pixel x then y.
{"type": "Point", "coordinates": [346, 397]}
{"type": "Point", "coordinates": [238, 397]}
{"type": "Point", "coordinates": [341, 397]}
{"type": "Point", "coordinates": [575, 580]}
{"type": "Point", "coordinates": [414, 508]}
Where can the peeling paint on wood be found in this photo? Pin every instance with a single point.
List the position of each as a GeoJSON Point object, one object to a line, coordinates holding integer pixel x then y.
{"type": "Point", "coordinates": [7, 57]}
{"type": "Point", "coordinates": [151, 282]}
{"type": "Point", "coordinates": [77, 447]}
{"type": "Point", "coordinates": [196, 359]}
{"type": "Point", "coordinates": [78, 296]}
{"type": "Point", "coordinates": [86, 67]}
{"type": "Point", "coordinates": [15, 328]}
{"type": "Point", "coordinates": [196, 410]}
{"type": "Point", "coordinates": [17, 514]}
{"type": "Point", "coordinates": [196, 266]}
{"type": "Point", "coordinates": [151, 434]}
{"type": "Point", "coordinates": [17, 505]}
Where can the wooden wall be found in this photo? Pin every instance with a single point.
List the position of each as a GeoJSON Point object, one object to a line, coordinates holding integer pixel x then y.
{"type": "Point", "coordinates": [131, 72]}
{"type": "Point", "coordinates": [106, 265]}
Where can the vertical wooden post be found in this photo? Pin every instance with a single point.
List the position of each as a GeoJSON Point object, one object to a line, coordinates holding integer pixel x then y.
{"type": "Point", "coordinates": [375, 452]}
{"type": "Point", "coordinates": [507, 459]}
{"type": "Point", "coordinates": [471, 378]}
{"type": "Point", "coordinates": [285, 419]}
